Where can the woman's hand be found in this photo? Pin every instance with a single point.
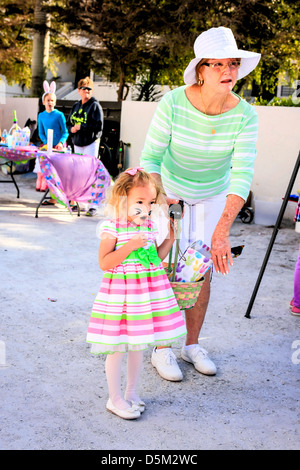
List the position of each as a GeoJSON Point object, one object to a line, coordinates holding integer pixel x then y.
{"type": "Point", "coordinates": [221, 252]}
{"type": "Point", "coordinates": [220, 244]}
{"type": "Point", "coordinates": [59, 146]}
{"type": "Point", "coordinates": [75, 128]}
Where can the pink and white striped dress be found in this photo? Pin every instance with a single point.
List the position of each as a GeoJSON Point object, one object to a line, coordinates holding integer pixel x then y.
{"type": "Point", "coordinates": [135, 306]}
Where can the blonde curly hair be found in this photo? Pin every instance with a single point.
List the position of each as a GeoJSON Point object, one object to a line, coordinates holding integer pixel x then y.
{"type": "Point", "coordinates": [117, 194]}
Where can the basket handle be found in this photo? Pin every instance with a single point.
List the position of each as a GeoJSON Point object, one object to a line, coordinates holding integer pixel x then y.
{"type": "Point", "coordinates": [176, 251]}
{"type": "Point", "coordinates": [170, 260]}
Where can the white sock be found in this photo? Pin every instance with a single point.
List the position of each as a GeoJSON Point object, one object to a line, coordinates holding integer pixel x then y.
{"type": "Point", "coordinates": [113, 365]}
{"type": "Point", "coordinates": [134, 367]}
{"type": "Point", "coordinates": [190, 346]}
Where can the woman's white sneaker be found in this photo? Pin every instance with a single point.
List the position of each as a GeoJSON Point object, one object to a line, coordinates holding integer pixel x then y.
{"type": "Point", "coordinates": [199, 357]}
{"type": "Point", "coordinates": [164, 361]}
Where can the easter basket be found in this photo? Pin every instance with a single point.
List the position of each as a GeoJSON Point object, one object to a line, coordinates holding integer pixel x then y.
{"type": "Point", "coordinates": [186, 293]}
{"type": "Point", "coordinates": [186, 274]}
{"type": "Point", "coordinates": [21, 137]}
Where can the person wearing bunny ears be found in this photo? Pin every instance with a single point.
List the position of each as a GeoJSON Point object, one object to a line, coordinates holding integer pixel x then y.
{"type": "Point", "coordinates": [51, 118]}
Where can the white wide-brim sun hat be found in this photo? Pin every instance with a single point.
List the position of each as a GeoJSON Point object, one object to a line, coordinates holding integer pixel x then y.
{"type": "Point", "coordinates": [219, 43]}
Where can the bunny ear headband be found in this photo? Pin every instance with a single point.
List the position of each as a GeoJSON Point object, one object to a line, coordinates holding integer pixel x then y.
{"type": "Point", "coordinates": [48, 88]}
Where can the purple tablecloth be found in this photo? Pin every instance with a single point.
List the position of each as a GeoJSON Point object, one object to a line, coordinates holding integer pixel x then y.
{"type": "Point", "coordinates": [19, 154]}
{"type": "Point", "coordinates": [71, 177]}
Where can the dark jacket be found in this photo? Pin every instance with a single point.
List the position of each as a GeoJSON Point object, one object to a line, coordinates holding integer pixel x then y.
{"type": "Point", "coordinates": [88, 115]}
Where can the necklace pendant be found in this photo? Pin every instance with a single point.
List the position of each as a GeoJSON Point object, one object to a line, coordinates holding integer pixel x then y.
{"type": "Point", "coordinates": [213, 131]}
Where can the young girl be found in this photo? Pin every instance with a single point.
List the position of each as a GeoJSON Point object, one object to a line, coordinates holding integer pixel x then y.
{"type": "Point", "coordinates": [51, 118]}
{"type": "Point", "coordinates": [135, 306]}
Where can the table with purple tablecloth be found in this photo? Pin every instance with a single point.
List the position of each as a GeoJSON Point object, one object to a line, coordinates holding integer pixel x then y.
{"type": "Point", "coordinates": [18, 154]}
{"type": "Point", "coordinates": [9, 155]}
{"type": "Point", "coordinates": [70, 177]}
{"type": "Point", "coordinates": [74, 177]}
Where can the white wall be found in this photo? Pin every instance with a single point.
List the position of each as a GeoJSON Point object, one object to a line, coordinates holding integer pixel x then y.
{"type": "Point", "coordinates": [11, 90]}
{"type": "Point", "coordinates": [278, 146]}
{"type": "Point", "coordinates": [108, 91]}
{"type": "Point", "coordinates": [102, 91]}
{"type": "Point", "coordinates": [25, 107]}
{"type": "Point", "coordinates": [135, 120]}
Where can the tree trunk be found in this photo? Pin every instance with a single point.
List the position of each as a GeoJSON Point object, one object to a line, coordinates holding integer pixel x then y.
{"type": "Point", "coordinates": [123, 89]}
{"type": "Point", "coordinates": [40, 48]}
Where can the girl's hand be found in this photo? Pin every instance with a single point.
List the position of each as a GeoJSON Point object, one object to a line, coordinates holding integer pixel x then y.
{"type": "Point", "coordinates": [173, 227]}
{"type": "Point", "coordinates": [170, 200]}
{"type": "Point", "coordinates": [138, 241]}
{"type": "Point", "coordinates": [59, 146]}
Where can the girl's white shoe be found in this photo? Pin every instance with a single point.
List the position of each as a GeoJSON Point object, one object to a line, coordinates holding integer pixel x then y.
{"type": "Point", "coordinates": [131, 413]}
{"type": "Point", "coordinates": [140, 405]}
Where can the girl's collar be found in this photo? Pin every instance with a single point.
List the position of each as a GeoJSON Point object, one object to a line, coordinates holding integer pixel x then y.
{"type": "Point", "coordinates": [147, 224]}
{"type": "Point", "coordinates": [123, 222]}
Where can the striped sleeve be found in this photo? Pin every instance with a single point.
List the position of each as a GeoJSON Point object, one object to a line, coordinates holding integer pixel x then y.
{"type": "Point", "coordinates": [243, 157]}
{"type": "Point", "coordinates": [108, 227]}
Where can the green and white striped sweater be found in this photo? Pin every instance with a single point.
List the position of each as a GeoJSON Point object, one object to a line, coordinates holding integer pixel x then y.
{"type": "Point", "coordinates": [194, 163]}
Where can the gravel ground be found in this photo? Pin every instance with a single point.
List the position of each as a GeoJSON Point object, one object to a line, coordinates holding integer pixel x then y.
{"type": "Point", "coordinates": [53, 392]}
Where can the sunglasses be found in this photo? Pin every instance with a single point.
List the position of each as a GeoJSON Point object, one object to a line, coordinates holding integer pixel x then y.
{"type": "Point", "coordinates": [85, 88]}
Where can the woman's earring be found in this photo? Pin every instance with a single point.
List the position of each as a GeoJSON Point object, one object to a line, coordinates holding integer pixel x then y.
{"type": "Point", "coordinates": [200, 82]}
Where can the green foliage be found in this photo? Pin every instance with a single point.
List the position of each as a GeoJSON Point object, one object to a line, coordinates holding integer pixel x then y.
{"type": "Point", "coordinates": [277, 102]}
{"type": "Point", "coordinates": [146, 90]}
{"type": "Point", "coordinates": [16, 41]}
{"type": "Point", "coordinates": [137, 36]}
{"type": "Point", "coordinates": [270, 27]}
{"type": "Point", "coordinates": [122, 39]}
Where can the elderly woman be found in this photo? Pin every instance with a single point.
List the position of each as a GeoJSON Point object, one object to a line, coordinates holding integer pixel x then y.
{"type": "Point", "coordinates": [85, 124]}
{"type": "Point", "coordinates": [201, 147]}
